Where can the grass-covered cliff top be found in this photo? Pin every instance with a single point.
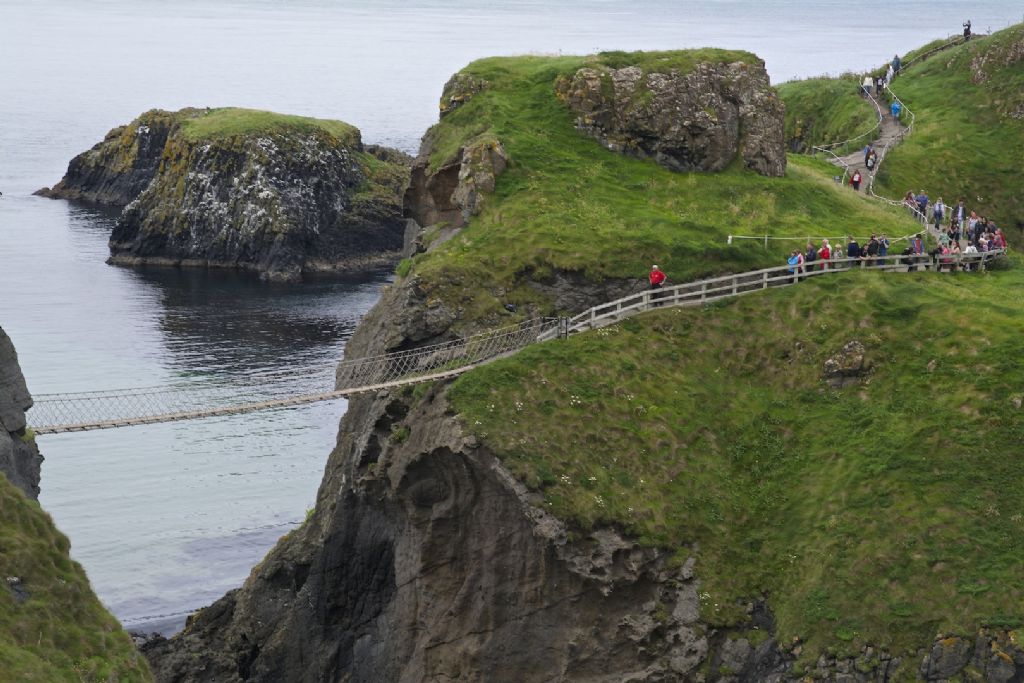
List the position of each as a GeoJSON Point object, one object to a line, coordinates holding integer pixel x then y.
{"type": "Point", "coordinates": [568, 204]}
{"type": "Point", "coordinates": [876, 514]}
{"type": "Point", "coordinates": [60, 631]}
{"type": "Point", "coordinates": [210, 124]}
{"type": "Point", "coordinates": [969, 103]}
{"type": "Point", "coordinates": [822, 111]}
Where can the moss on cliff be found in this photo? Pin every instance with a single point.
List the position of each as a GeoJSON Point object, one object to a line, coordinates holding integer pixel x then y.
{"type": "Point", "coordinates": [567, 204]}
{"type": "Point", "coordinates": [874, 515]}
{"type": "Point", "coordinates": [52, 627]}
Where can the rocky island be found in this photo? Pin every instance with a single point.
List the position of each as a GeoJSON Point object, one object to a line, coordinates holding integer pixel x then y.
{"type": "Point", "coordinates": [279, 195]}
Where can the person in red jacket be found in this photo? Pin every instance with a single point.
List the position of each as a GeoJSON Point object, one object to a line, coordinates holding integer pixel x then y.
{"type": "Point", "coordinates": [657, 278]}
{"type": "Point", "coordinates": [824, 254]}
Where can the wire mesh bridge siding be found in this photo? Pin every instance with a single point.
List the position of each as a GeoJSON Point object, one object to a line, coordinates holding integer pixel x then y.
{"type": "Point", "coordinates": [75, 412]}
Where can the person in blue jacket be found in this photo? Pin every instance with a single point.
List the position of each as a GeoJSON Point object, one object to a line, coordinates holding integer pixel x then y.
{"type": "Point", "coordinates": [896, 108]}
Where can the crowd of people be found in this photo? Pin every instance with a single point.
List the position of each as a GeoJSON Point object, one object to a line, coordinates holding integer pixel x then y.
{"type": "Point", "coordinates": [956, 223]}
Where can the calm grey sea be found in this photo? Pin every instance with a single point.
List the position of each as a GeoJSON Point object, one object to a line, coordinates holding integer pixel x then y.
{"type": "Point", "coordinates": [166, 518]}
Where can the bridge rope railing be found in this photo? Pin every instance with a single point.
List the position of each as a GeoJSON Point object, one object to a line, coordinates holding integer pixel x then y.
{"type": "Point", "coordinates": [81, 411]}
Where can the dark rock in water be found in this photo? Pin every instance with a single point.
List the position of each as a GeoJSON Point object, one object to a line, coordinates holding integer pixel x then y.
{"type": "Point", "coordinates": [280, 195]}
{"type": "Point", "coordinates": [19, 457]}
{"type": "Point", "coordinates": [700, 120]}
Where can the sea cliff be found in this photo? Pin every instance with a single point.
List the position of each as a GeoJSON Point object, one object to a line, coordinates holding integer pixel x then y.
{"type": "Point", "coordinates": [279, 195]}
{"type": "Point", "coordinates": [604, 508]}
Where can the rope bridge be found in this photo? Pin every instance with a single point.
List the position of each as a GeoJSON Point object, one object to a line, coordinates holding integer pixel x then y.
{"type": "Point", "coordinates": [76, 412]}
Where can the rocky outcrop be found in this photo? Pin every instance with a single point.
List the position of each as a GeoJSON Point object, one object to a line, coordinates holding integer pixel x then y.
{"type": "Point", "coordinates": [19, 457]}
{"type": "Point", "coordinates": [282, 196]}
{"type": "Point", "coordinates": [118, 169]}
{"type": "Point", "coordinates": [449, 193]}
{"type": "Point", "coordinates": [699, 120]}
{"type": "Point", "coordinates": [454, 192]}
{"type": "Point", "coordinates": [427, 560]}
{"type": "Point", "coordinates": [847, 367]}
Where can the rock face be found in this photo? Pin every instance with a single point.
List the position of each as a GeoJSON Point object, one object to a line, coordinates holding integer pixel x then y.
{"type": "Point", "coordinates": [700, 120]}
{"type": "Point", "coordinates": [282, 196]}
{"type": "Point", "coordinates": [848, 366]}
{"type": "Point", "coordinates": [19, 457]}
{"type": "Point", "coordinates": [453, 191]}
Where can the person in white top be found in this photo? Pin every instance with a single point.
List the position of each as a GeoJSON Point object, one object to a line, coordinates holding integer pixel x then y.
{"type": "Point", "coordinates": [866, 85]}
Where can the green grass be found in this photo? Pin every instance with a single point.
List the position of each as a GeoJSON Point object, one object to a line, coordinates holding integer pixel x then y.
{"type": "Point", "coordinates": [567, 205]}
{"type": "Point", "coordinates": [877, 514]}
{"type": "Point", "coordinates": [212, 124]}
{"type": "Point", "coordinates": [823, 111]}
{"type": "Point", "coordinates": [61, 632]}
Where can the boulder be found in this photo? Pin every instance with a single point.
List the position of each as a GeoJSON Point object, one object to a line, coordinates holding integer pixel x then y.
{"type": "Point", "coordinates": [698, 120]}
{"type": "Point", "coordinates": [848, 366]}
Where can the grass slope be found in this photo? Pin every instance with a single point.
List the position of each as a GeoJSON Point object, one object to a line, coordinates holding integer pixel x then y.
{"type": "Point", "coordinates": [823, 111]}
{"type": "Point", "coordinates": [61, 632]}
{"type": "Point", "coordinates": [877, 514]}
{"type": "Point", "coordinates": [213, 124]}
{"type": "Point", "coordinates": [568, 204]}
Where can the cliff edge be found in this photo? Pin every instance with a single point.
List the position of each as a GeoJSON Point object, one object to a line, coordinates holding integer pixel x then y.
{"type": "Point", "coordinates": [19, 457]}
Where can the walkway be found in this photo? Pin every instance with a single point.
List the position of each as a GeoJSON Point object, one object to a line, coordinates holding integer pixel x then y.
{"type": "Point", "coordinates": [58, 413]}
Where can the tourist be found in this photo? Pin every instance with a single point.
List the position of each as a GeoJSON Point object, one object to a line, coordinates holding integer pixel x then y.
{"type": "Point", "coordinates": [889, 74]}
{"type": "Point", "coordinates": [917, 245]}
{"type": "Point", "coordinates": [657, 279]}
{"type": "Point", "coordinates": [811, 254]}
{"type": "Point", "coordinates": [909, 201]}
{"type": "Point", "coordinates": [954, 229]}
{"type": "Point", "coordinates": [879, 84]}
{"type": "Point", "coordinates": [967, 31]}
{"type": "Point", "coordinates": [870, 160]}
{"type": "Point", "coordinates": [1000, 238]}
{"type": "Point", "coordinates": [871, 251]}
{"type": "Point", "coordinates": [938, 210]}
{"type": "Point", "coordinates": [883, 245]}
{"type": "Point", "coordinates": [922, 203]}
{"type": "Point", "coordinates": [867, 153]}
{"type": "Point", "coordinates": [960, 213]}
{"type": "Point", "coordinates": [824, 254]}
{"type": "Point", "coordinates": [852, 248]}
{"type": "Point", "coordinates": [895, 110]}
{"type": "Point", "coordinates": [865, 86]}
{"type": "Point", "coordinates": [896, 64]}
{"type": "Point", "coordinates": [794, 264]}
{"type": "Point", "coordinates": [855, 181]}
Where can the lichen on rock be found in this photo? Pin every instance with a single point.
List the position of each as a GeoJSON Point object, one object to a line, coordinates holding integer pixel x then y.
{"type": "Point", "coordinates": [697, 120]}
